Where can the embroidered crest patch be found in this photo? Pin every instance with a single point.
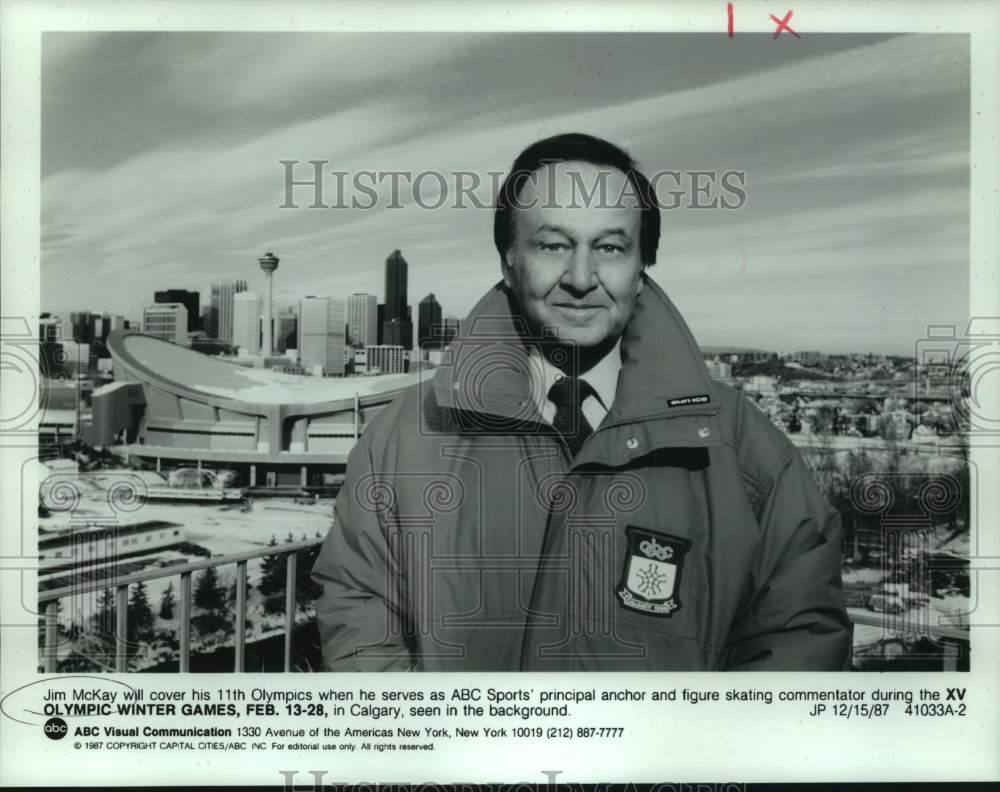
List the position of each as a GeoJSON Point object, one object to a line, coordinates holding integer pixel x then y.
{"type": "Point", "coordinates": [651, 576]}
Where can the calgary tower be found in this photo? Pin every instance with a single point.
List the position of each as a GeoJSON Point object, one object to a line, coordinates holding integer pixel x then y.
{"type": "Point", "coordinates": [269, 263]}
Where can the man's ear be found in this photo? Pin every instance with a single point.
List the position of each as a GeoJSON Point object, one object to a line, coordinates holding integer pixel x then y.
{"type": "Point", "coordinates": [506, 266]}
{"type": "Point", "coordinates": [639, 283]}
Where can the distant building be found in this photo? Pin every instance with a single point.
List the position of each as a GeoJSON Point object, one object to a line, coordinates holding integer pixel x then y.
{"type": "Point", "coordinates": [222, 296]}
{"type": "Point", "coordinates": [82, 327]}
{"type": "Point", "coordinates": [761, 384]}
{"type": "Point", "coordinates": [385, 359]}
{"type": "Point", "coordinates": [89, 326]}
{"type": "Point", "coordinates": [321, 335]}
{"type": "Point", "coordinates": [736, 354]}
{"type": "Point", "coordinates": [362, 320]}
{"type": "Point", "coordinates": [246, 322]}
{"type": "Point", "coordinates": [380, 320]}
{"type": "Point", "coordinates": [807, 358]}
{"type": "Point", "coordinates": [49, 329]}
{"type": "Point", "coordinates": [270, 428]}
{"type": "Point", "coordinates": [191, 300]}
{"type": "Point", "coordinates": [50, 338]}
{"type": "Point", "coordinates": [429, 327]}
{"type": "Point", "coordinates": [105, 323]}
{"type": "Point", "coordinates": [210, 321]}
{"type": "Point", "coordinates": [167, 321]}
{"type": "Point", "coordinates": [397, 332]}
{"type": "Point", "coordinates": [397, 326]}
{"type": "Point", "coordinates": [288, 329]}
{"type": "Point", "coordinates": [719, 370]}
{"type": "Point", "coordinates": [396, 278]}
{"type": "Point", "coordinates": [75, 356]}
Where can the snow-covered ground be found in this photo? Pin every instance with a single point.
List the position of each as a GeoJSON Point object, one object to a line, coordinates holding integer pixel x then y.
{"type": "Point", "coordinates": [222, 529]}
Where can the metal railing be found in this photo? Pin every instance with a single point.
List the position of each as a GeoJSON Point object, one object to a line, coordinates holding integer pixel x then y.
{"type": "Point", "coordinates": [954, 638]}
{"type": "Point", "coordinates": [49, 602]}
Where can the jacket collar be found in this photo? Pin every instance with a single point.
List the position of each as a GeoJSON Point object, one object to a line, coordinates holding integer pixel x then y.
{"type": "Point", "coordinates": [663, 374]}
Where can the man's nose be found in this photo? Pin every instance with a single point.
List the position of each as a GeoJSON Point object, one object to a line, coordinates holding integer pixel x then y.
{"type": "Point", "coordinates": [580, 274]}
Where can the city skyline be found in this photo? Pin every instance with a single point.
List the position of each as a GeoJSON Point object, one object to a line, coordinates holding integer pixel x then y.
{"type": "Point", "coordinates": [854, 236]}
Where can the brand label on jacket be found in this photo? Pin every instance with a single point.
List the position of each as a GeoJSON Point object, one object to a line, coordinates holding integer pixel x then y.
{"type": "Point", "coordinates": [651, 575]}
{"type": "Point", "coordinates": [701, 398]}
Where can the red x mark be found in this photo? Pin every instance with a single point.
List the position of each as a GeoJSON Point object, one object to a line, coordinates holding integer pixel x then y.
{"type": "Point", "coordinates": [783, 25]}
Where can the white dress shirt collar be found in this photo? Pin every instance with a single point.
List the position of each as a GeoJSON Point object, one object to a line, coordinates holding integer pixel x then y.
{"type": "Point", "coordinates": [603, 378]}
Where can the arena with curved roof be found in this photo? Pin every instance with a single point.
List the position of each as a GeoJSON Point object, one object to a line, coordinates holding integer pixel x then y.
{"type": "Point", "coordinates": [170, 405]}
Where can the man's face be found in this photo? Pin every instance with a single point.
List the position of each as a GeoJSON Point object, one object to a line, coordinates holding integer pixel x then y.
{"type": "Point", "coordinates": [574, 263]}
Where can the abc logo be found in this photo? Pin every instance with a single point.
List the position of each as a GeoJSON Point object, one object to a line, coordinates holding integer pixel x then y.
{"type": "Point", "coordinates": [56, 728]}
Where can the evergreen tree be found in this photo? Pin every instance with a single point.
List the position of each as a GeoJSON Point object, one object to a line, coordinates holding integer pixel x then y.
{"type": "Point", "coordinates": [140, 615]}
{"type": "Point", "coordinates": [306, 589]}
{"type": "Point", "coordinates": [41, 624]}
{"type": "Point", "coordinates": [209, 595]}
{"type": "Point", "coordinates": [105, 618]}
{"type": "Point", "coordinates": [99, 643]}
{"type": "Point", "coordinates": [274, 570]}
{"type": "Point", "coordinates": [272, 580]}
{"type": "Point", "coordinates": [167, 602]}
{"type": "Point", "coordinates": [231, 592]}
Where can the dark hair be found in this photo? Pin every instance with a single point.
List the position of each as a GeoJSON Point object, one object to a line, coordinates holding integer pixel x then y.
{"type": "Point", "coordinates": [576, 147]}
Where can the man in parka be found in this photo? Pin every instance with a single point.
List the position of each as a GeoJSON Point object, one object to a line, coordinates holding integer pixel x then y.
{"type": "Point", "coordinates": [570, 490]}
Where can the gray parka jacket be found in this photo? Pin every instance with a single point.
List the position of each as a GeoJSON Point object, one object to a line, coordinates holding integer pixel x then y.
{"type": "Point", "coordinates": [687, 534]}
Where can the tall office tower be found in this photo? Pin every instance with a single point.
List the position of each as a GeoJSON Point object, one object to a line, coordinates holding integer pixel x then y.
{"type": "Point", "coordinates": [210, 320]}
{"type": "Point", "coordinates": [397, 327]}
{"type": "Point", "coordinates": [189, 299]}
{"type": "Point", "coordinates": [223, 293]}
{"type": "Point", "coordinates": [287, 325]}
{"type": "Point", "coordinates": [398, 332]}
{"type": "Point", "coordinates": [321, 338]}
{"type": "Point", "coordinates": [379, 322]}
{"type": "Point", "coordinates": [83, 330]}
{"type": "Point", "coordinates": [362, 318]}
{"type": "Point", "coordinates": [101, 325]}
{"type": "Point", "coordinates": [167, 321]}
{"type": "Point", "coordinates": [246, 323]}
{"type": "Point", "coordinates": [429, 328]}
{"type": "Point", "coordinates": [98, 327]}
{"type": "Point", "coordinates": [396, 270]}
{"type": "Point", "coordinates": [268, 263]}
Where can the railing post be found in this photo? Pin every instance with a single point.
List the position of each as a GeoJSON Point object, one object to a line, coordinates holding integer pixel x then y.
{"type": "Point", "coordinates": [241, 615]}
{"type": "Point", "coordinates": [184, 626]}
{"type": "Point", "coordinates": [949, 657]}
{"type": "Point", "coordinates": [290, 576]}
{"type": "Point", "coordinates": [121, 628]}
{"type": "Point", "coordinates": [51, 647]}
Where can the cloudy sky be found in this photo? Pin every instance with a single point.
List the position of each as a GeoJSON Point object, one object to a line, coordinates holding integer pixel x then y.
{"type": "Point", "coordinates": [160, 167]}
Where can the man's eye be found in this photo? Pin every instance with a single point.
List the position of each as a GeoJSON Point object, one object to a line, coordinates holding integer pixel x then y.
{"type": "Point", "coordinates": [553, 247]}
{"type": "Point", "coordinates": [610, 249]}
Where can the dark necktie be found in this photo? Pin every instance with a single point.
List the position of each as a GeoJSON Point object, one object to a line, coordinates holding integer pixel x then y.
{"type": "Point", "coordinates": [567, 394]}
